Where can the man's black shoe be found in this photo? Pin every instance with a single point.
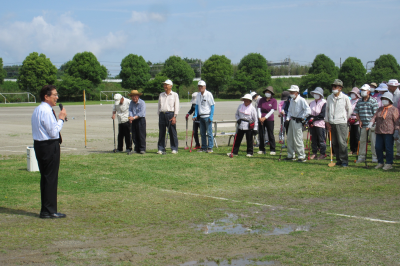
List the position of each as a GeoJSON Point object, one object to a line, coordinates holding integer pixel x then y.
{"type": "Point", "coordinates": [45, 215]}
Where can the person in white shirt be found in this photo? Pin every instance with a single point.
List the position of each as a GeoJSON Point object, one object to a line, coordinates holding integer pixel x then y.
{"type": "Point", "coordinates": [298, 111]}
{"type": "Point", "coordinates": [121, 109]}
{"type": "Point", "coordinates": [205, 110]}
{"type": "Point", "coordinates": [337, 113]}
{"type": "Point", "coordinates": [393, 86]}
{"type": "Point", "coordinates": [47, 139]}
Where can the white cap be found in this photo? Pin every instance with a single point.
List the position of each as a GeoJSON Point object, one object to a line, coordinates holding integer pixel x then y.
{"type": "Point", "coordinates": [393, 82]}
{"type": "Point", "coordinates": [117, 98]}
{"type": "Point", "coordinates": [247, 97]}
{"type": "Point", "coordinates": [365, 87]}
{"type": "Point", "coordinates": [201, 83]}
{"type": "Point", "coordinates": [294, 88]}
{"type": "Point", "coordinates": [253, 93]}
{"type": "Point", "coordinates": [194, 96]}
{"type": "Point", "coordinates": [169, 82]}
{"type": "Point", "coordinates": [388, 96]}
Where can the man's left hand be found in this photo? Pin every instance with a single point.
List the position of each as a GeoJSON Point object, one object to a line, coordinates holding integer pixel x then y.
{"type": "Point", "coordinates": [173, 120]}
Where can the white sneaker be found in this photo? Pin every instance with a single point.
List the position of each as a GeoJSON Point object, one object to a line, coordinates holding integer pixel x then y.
{"type": "Point", "coordinates": [380, 165]}
{"type": "Point", "coordinates": [260, 152]}
{"type": "Point", "coordinates": [272, 153]}
{"type": "Point", "coordinates": [387, 167]}
{"type": "Point", "coordinates": [229, 154]}
{"type": "Point", "coordinates": [360, 160]}
{"type": "Point", "coordinates": [159, 152]}
{"type": "Point", "coordinates": [249, 155]}
{"type": "Point", "coordinates": [174, 152]}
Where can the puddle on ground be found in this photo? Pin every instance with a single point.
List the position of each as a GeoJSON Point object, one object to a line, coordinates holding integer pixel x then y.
{"type": "Point", "coordinates": [229, 226]}
{"type": "Point", "coordinates": [238, 262]}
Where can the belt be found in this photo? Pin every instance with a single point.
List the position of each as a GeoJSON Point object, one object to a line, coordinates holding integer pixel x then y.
{"type": "Point", "coordinates": [297, 119]}
{"type": "Point", "coordinates": [166, 112]}
{"type": "Point", "coordinates": [46, 141]}
{"type": "Point", "coordinates": [203, 115]}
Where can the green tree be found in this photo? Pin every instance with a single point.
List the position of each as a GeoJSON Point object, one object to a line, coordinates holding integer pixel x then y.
{"type": "Point", "coordinates": [217, 72]}
{"type": "Point", "coordinates": [252, 74]}
{"type": "Point", "coordinates": [36, 71]}
{"type": "Point", "coordinates": [321, 74]}
{"type": "Point", "coordinates": [178, 71]}
{"type": "Point", "coordinates": [135, 72]}
{"type": "Point", "coordinates": [385, 68]}
{"type": "Point", "coordinates": [3, 72]}
{"type": "Point", "coordinates": [155, 86]}
{"type": "Point", "coordinates": [352, 72]}
{"type": "Point", "coordinates": [71, 88]}
{"type": "Point", "coordinates": [86, 70]}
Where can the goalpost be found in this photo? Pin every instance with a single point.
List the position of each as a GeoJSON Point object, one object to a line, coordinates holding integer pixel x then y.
{"type": "Point", "coordinates": [109, 95]}
{"type": "Point", "coordinates": [18, 97]}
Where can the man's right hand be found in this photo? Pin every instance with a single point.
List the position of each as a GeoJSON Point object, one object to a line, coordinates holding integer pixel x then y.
{"type": "Point", "coordinates": [360, 124]}
{"type": "Point", "coordinates": [63, 114]}
{"type": "Point", "coordinates": [328, 126]}
{"type": "Point", "coordinates": [113, 116]}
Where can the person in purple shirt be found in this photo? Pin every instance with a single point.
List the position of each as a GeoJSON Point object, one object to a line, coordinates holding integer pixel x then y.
{"type": "Point", "coordinates": [265, 111]}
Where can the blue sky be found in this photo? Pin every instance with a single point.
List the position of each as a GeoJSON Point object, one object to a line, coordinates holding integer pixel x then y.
{"type": "Point", "coordinates": [198, 29]}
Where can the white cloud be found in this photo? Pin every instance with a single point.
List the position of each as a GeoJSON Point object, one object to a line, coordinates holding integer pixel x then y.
{"type": "Point", "coordinates": [61, 40]}
{"type": "Point", "coordinates": [141, 17]}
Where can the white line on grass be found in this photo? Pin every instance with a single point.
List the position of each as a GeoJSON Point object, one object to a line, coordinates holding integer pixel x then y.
{"type": "Point", "coordinates": [265, 205]}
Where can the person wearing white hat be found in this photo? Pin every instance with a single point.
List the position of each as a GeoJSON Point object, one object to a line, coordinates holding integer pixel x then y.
{"type": "Point", "coordinates": [256, 98]}
{"type": "Point", "coordinates": [337, 113]}
{"type": "Point", "coordinates": [317, 124]}
{"type": "Point", "coordinates": [196, 124]}
{"type": "Point", "coordinates": [354, 124]}
{"type": "Point", "coordinates": [393, 85]}
{"type": "Point", "coordinates": [205, 111]}
{"type": "Point", "coordinates": [365, 109]}
{"type": "Point", "coordinates": [246, 117]}
{"type": "Point", "coordinates": [298, 111]}
{"type": "Point", "coordinates": [386, 129]}
{"type": "Point", "coordinates": [382, 88]}
{"type": "Point", "coordinates": [121, 109]}
{"type": "Point", "coordinates": [168, 109]}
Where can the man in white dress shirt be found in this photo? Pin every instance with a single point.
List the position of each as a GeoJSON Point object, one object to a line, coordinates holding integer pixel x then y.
{"type": "Point", "coordinates": [47, 139]}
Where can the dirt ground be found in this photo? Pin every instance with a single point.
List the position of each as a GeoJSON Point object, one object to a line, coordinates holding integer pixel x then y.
{"type": "Point", "coordinates": [16, 132]}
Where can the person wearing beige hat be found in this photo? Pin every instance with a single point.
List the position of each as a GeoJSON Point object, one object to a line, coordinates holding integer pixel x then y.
{"type": "Point", "coordinates": [337, 113]}
{"type": "Point", "coordinates": [386, 129]}
{"type": "Point", "coordinates": [137, 117]}
{"type": "Point", "coordinates": [298, 111]}
{"type": "Point", "coordinates": [353, 122]}
{"type": "Point", "coordinates": [168, 109]}
{"type": "Point", "coordinates": [265, 110]}
{"type": "Point", "coordinates": [373, 91]}
{"type": "Point", "coordinates": [246, 117]}
{"type": "Point", "coordinates": [393, 87]}
{"type": "Point", "coordinates": [121, 110]}
{"type": "Point", "coordinates": [365, 109]}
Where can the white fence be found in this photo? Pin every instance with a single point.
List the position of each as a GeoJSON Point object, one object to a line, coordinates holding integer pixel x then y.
{"type": "Point", "coordinates": [18, 97]}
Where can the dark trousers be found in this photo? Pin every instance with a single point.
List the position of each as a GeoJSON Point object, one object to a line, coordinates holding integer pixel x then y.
{"type": "Point", "coordinates": [163, 123]}
{"type": "Point", "coordinates": [354, 137]}
{"type": "Point", "coordinates": [318, 140]}
{"type": "Point", "coordinates": [267, 127]}
{"type": "Point", "coordinates": [249, 140]}
{"type": "Point", "coordinates": [384, 142]}
{"type": "Point", "coordinates": [139, 134]}
{"type": "Point", "coordinates": [124, 132]}
{"type": "Point", "coordinates": [48, 157]}
{"type": "Point", "coordinates": [339, 143]}
{"type": "Point", "coordinates": [196, 126]}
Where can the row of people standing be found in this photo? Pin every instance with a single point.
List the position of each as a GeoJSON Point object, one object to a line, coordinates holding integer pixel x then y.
{"type": "Point", "coordinates": [131, 116]}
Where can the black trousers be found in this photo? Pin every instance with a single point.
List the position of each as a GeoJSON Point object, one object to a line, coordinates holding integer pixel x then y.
{"type": "Point", "coordinates": [318, 140]}
{"type": "Point", "coordinates": [163, 122]}
{"type": "Point", "coordinates": [48, 157]}
{"type": "Point", "coordinates": [268, 127]}
{"type": "Point", "coordinates": [124, 132]}
{"type": "Point", "coordinates": [249, 140]}
{"type": "Point", "coordinates": [139, 134]}
{"type": "Point", "coordinates": [354, 137]}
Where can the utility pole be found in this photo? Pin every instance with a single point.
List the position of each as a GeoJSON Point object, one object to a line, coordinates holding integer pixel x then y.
{"type": "Point", "coordinates": [340, 62]}
{"type": "Point", "coordinates": [289, 65]}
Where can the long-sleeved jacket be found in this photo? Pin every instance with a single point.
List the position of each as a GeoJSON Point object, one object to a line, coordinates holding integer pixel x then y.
{"type": "Point", "coordinates": [338, 109]}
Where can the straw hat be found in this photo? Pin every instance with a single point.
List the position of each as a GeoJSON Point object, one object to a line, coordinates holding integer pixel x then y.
{"type": "Point", "coordinates": [134, 92]}
{"type": "Point", "coordinates": [270, 89]}
{"type": "Point", "coordinates": [247, 97]}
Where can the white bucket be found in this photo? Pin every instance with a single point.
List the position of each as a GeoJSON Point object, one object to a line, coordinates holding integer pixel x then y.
{"type": "Point", "coordinates": [31, 159]}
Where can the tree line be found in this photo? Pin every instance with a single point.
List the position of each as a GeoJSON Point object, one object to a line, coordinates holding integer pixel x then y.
{"type": "Point", "coordinates": [224, 79]}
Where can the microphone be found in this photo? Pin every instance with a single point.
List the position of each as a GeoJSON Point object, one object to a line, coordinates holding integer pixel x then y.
{"type": "Point", "coordinates": [61, 107]}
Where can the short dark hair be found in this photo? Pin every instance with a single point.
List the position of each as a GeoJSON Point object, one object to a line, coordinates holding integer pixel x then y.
{"type": "Point", "coordinates": [46, 90]}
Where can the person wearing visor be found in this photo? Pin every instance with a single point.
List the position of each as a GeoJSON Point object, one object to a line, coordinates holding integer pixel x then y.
{"type": "Point", "coordinates": [265, 111]}
{"type": "Point", "coordinates": [246, 117]}
{"type": "Point", "coordinates": [317, 124]}
{"type": "Point", "coordinates": [338, 112]}
{"type": "Point", "coordinates": [205, 111]}
{"type": "Point", "coordinates": [298, 111]}
{"type": "Point", "coordinates": [386, 129]}
{"type": "Point", "coordinates": [365, 109]}
{"type": "Point", "coordinates": [354, 124]}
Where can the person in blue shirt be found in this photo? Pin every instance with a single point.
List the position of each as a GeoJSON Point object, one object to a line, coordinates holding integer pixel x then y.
{"type": "Point", "coordinates": [137, 117]}
{"type": "Point", "coordinates": [47, 140]}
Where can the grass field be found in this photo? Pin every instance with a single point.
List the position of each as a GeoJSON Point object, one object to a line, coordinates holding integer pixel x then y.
{"type": "Point", "coordinates": [156, 210]}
